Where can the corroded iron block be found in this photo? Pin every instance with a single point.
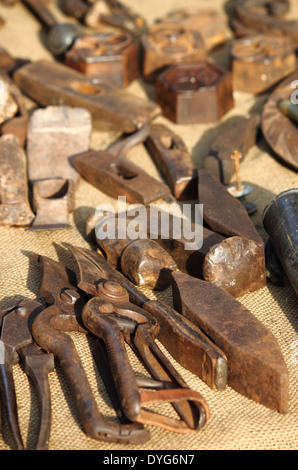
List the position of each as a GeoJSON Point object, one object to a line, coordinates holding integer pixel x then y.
{"type": "Point", "coordinates": [109, 56]}
{"type": "Point", "coordinates": [212, 25]}
{"type": "Point", "coordinates": [260, 61]}
{"type": "Point", "coordinates": [55, 134]}
{"type": "Point", "coordinates": [236, 265]}
{"type": "Point", "coordinates": [147, 264]}
{"type": "Point", "coordinates": [198, 92]}
{"type": "Point", "coordinates": [166, 44]}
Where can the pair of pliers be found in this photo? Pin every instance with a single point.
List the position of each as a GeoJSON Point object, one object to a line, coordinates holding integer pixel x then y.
{"type": "Point", "coordinates": [17, 345]}
{"type": "Point", "coordinates": [111, 315]}
{"type": "Point", "coordinates": [63, 314]}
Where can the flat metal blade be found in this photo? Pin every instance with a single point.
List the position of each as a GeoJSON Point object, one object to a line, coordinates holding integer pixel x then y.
{"type": "Point", "coordinates": [256, 367]}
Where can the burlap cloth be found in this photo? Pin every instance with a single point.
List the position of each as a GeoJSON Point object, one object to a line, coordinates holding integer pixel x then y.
{"type": "Point", "coordinates": [236, 422]}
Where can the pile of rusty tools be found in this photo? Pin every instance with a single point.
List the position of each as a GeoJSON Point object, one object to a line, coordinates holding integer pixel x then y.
{"type": "Point", "coordinates": [46, 151]}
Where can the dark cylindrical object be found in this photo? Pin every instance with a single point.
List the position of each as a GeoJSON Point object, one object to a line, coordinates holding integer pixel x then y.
{"type": "Point", "coordinates": [280, 220]}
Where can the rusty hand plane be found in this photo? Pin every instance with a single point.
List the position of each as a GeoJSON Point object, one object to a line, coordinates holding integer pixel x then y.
{"type": "Point", "coordinates": [114, 174]}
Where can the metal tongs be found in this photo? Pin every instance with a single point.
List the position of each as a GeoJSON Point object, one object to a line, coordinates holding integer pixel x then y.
{"type": "Point", "coordinates": [17, 345]}
{"type": "Point", "coordinates": [65, 303]}
{"type": "Point", "coordinates": [111, 316]}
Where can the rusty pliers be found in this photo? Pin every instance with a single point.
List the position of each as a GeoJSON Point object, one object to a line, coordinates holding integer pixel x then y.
{"type": "Point", "coordinates": [110, 315]}
{"type": "Point", "coordinates": [17, 345]}
{"type": "Point", "coordinates": [63, 314]}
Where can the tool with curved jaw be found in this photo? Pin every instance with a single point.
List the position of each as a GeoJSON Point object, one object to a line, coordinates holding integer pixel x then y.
{"type": "Point", "coordinates": [17, 344]}
{"type": "Point", "coordinates": [185, 342]}
{"type": "Point", "coordinates": [257, 368]}
{"type": "Point", "coordinates": [63, 314]}
{"type": "Point", "coordinates": [109, 314]}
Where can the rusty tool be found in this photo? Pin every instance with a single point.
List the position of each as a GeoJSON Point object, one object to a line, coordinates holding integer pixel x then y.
{"type": "Point", "coordinates": [260, 61]}
{"type": "Point", "coordinates": [224, 213]}
{"type": "Point", "coordinates": [186, 343]}
{"type": "Point", "coordinates": [237, 265]}
{"type": "Point", "coordinates": [107, 56]}
{"type": "Point", "coordinates": [183, 90]}
{"type": "Point", "coordinates": [16, 345]}
{"type": "Point", "coordinates": [264, 16]}
{"type": "Point", "coordinates": [61, 35]}
{"type": "Point", "coordinates": [63, 314]}
{"type": "Point", "coordinates": [52, 83]}
{"type": "Point", "coordinates": [242, 135]}
{"type": "Point", "coordinates": [141, 260]}
{"type": "Point", "coordinates": [15, 209]}
{"type": "Point", "coordinates": [172, 158]}
{"type": "Point", "coordinates": [55, 135]}
{"type": "Point", "coordinates": [109, 314]}
{"type": "Point", "coordinates": [256, 367]}
{"type": "Point", "coordinates": [188, 403]}
{"type": "Point", "coordinates": [167, 44]}
{"type": "Point", "coordinates": [111, 171]}
{"type": "Point", "coordinates": [212, 25]}
{"type": "Point", "coordinates": [234, 263]}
